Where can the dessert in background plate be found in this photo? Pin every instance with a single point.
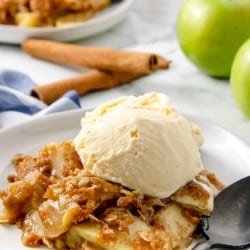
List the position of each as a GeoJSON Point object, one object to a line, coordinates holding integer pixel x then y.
{"type": "Point", "coordinates": [36, 13]}
{"type": "Point", "coordinates": [100, 22]}
{"type": "Point", "coordinates": [107, 190]}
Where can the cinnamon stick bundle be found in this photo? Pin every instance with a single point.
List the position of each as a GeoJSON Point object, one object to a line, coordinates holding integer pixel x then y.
{"type": "Point", "coordinates": [113, 67]}
{"type": "Point", "coordinates": [96, 58]}
{"type": "Point", "coordinates": [83, 83]}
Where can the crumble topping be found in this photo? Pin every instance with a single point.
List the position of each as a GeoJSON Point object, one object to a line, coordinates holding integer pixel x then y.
{"type": "Point", "coordinates": [57, 203]}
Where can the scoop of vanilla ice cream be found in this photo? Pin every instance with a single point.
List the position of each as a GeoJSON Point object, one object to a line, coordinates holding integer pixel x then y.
{"type": "Point", "coordinates": [143, 143]}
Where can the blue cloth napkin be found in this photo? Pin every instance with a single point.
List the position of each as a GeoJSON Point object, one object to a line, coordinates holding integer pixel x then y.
{"type": "Point", "coordinates": [16, 105]}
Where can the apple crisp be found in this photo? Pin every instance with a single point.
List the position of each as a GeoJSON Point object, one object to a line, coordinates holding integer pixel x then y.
{"type": "Point", "coordinates": [38, 13]}
{"type": "Point", "coordinates": [57, 203]}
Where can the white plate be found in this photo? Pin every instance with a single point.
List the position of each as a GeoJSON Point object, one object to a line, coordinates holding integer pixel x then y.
{"type": "Point", "coordinates": [223, 153]}
{"type": "Point", "coordinates": [100, 22]}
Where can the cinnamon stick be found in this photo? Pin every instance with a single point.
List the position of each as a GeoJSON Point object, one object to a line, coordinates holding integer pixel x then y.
{"type": "Point", "coordinates": [162, 63]}
{"type": "Point", "coordinates": [96, 58]}
{"type": "Point", "coordinates": [83, 83]}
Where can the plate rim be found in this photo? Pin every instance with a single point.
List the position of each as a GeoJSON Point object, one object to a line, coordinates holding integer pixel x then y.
{"type": "Point", "coordinates": [37, 119]}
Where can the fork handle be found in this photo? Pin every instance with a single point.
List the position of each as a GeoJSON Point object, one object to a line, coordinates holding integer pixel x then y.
{"type": "Point", "coordinates": [203, 245]}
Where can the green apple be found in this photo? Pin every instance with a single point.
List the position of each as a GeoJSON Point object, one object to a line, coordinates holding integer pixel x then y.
{"type": "Point", "coordinates": [240, 78]}
{"type": "Point", "coordinates": [211, 31]}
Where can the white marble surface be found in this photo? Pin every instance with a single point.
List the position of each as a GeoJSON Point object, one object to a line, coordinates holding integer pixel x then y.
{"type": "Point", "coordinates": [149, 26]}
